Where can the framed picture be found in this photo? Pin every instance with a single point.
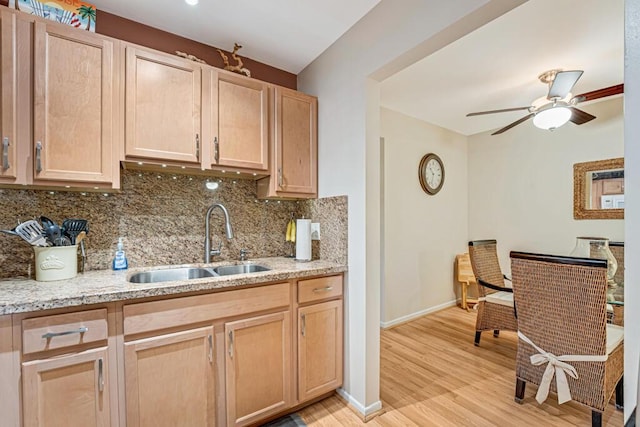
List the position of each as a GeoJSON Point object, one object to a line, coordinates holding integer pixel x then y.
{"type": "Point", "coordinates": [75, 13]}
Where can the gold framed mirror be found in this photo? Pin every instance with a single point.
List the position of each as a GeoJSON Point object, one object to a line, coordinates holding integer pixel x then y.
{"type": "Point", "coordinates": [598, 189]}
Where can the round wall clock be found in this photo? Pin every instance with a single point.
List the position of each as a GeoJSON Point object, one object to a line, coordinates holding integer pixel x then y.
{"type": "Point", "coordinates": [431, 173]}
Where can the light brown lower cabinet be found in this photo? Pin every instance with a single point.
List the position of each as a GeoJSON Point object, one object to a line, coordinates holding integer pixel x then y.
{"type": "Point", "coordinates": [170, 379]}
{"type": "Point", "coordinates": [319, 349]}
{"type": "Point", "coordinates": [231, 358]}
{"type": "Point", "coordinates": [70, 390]}
{"type": "Point", "coordinates": [258, 367]}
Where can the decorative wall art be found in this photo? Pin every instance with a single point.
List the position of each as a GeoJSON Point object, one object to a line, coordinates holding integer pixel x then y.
{"type": "Point", "coordinates": [75, 13]}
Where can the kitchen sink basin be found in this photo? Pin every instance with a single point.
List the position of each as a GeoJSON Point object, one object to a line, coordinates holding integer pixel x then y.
{"type": "Point", "coordinates": [172, 274]}
{"type": "Point", "coordinates": [226, 270]}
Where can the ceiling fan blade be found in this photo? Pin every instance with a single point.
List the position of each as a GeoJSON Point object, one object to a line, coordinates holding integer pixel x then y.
{"type": "Point", "coordinates": [600, 93]}
{"type": "Point", "coordinates": [563, 83]}
{"type": "Point", "coordinates": [516, 123]}
{"type": "Point", "coordinates": [580, 117]}
{"type": "Point", "coordinates": [504, 110]}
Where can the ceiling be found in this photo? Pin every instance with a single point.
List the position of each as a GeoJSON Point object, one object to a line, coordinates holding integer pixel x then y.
{"type": "Point", "coordinates": [286, 34]}
{"type": "Point", "coordinates": [497, 66]}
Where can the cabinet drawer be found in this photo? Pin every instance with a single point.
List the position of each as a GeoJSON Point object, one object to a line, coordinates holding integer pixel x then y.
{"type": "Point", "coordinates": [319, 289]}
{"type": "Point", "coordinates": [63, 330]}
{"type": "Point", "coordinates": [175, 312]}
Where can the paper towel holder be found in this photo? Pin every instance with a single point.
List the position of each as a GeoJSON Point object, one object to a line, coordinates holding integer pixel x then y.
{"type": "Point", "coordinates": [303, 240]}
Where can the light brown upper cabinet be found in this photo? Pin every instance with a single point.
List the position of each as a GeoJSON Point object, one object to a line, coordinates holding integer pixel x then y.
{"type": "Point", "coordinates": [8, 144]}
{"type": "Point", "coordinates": [74, 103]}
{"type": "Point", "coordinates": [239, 122]}
{"type": "Point", "coordinates": [162, 107]}
{"type": "Point", "coordinates": [294, 148]}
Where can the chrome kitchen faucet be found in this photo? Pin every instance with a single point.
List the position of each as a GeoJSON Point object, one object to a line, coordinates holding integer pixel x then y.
{"type": "Point", "coordinates": [208, 252]}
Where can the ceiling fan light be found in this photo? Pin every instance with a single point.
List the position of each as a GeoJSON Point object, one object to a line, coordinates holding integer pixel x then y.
{"type": "Point", "coordinates": [552, 118]}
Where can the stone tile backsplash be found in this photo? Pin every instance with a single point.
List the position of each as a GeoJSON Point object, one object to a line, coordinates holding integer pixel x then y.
{"type": "Point", "coordinates": [161, 217]}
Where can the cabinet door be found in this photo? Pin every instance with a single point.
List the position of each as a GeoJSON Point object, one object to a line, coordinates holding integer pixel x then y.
{"type": "Point", "coordinates": [613, 186]}
{"type": "Point", "coordinates": [162, 112]}
{"type": "Point", "coordinates": [240, 115]}
{"type": "Point", "coordinates": [170, 379]}
{"type": "Point", "coordinates": [8, 141]}
{"type": "Point", "coordinates": [258, 367]}
{"type": "Point", "coordinates": [296, 144]}
{"type": "Point", "coordinates": [319, 349]}
{"type": "Point", "coordinates": [67, 391]}
{"type": "Point", "coordinates": [74, 95]}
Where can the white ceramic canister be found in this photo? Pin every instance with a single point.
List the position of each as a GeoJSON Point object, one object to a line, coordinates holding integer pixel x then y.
{"type": "Point", "coordinates": [56, 262]}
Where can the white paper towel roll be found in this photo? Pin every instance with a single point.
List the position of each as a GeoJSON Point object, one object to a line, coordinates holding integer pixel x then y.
{"type": "Point", "coordinates": [303, 240]}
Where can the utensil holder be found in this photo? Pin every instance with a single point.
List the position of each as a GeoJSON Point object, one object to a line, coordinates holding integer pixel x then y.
{"type": "Point", "coordinates": [56, 262]}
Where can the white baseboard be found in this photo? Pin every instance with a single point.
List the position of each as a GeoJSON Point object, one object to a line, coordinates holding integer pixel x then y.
{"type": "Point", "coordinates": [364, 411]}
{"type": "Point", "coordinates": [408, 317]}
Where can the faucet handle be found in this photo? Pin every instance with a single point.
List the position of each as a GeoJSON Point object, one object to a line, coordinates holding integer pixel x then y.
{"type": "Point", "coordinates": [217, 252]}
{"type": "Point", "coordinates": [243, 254]}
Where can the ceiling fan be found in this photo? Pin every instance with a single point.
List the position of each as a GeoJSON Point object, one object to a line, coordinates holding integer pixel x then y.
{"type": "Point", "coordinates": [559, 105]}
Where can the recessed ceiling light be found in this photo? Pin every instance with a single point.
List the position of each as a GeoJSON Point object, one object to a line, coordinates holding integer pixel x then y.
{"type": "Point", "coordinates": [191, 2]}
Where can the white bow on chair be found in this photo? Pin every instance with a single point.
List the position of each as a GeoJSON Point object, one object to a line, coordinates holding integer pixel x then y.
{"type": "Point", "coordinates": [557, 365]}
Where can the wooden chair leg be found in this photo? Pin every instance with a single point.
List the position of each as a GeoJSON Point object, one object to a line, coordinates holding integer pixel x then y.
{"type": "Point", "coordinates": [596, 418]}
{"type": "Point", "coordinates": [476, 342]}
{"type": "Point", "coordinates": [463, 289]}
{"type": "Point", "coordinates": [520, 387]}
{"type": "Point", "coordinates": [496, 333]}
{"type": "Point", "coordinates": [620, 394]}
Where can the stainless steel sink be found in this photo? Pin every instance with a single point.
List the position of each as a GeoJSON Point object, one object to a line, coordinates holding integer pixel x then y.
{"type": "Point", "coordinates": [172, 274]}
{"type": "Point", "coordinates": [226, 270]}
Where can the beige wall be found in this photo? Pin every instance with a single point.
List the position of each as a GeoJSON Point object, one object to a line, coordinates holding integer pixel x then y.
{"type": "Point", "coordinates": [521, 183]}
{"type": "Point", "coordinates": [422, 233]}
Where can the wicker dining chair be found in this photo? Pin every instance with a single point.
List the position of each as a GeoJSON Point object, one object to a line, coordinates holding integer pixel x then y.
{"type": "Point", "coordinates": [562, 311]}
{"type": "Point", "coordinates": [495, 300]}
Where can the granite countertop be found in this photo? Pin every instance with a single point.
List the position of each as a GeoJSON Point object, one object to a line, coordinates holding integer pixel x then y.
{"type": "Point", "coordinates": [93, 287]}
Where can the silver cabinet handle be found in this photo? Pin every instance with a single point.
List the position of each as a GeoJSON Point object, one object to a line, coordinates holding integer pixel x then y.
{"type": "Point", "coordinates": [80, 330]}
{"type": "Point", "coordinates": [303, 328]}
{"type": "Point", "coordinates": [38, 156]}
{"type": "Point", "coordinates": [325, 289]}
{"type": "Point", "coordinates": [100, 375]}
{"type": "Point", "coordinates": [231, 344]}
{"type": "Point", "coordinates": [197, 146]}
{"type": "Point", "coordinates": [216, 149]}
{"type": "Point", "coordinates": [5, 153]}
{"type": "Point", "coordinates": [210, 338]}
{"type": "Point", "coordinates": [280, 177]}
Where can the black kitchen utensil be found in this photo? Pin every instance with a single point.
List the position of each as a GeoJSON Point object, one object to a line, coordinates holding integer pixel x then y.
{"type": "Point", "coordinates": [52, 231]}
{"type": "Point", "coordinates": [73, 226]}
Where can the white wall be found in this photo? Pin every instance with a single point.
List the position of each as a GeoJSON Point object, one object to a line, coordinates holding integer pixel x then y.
{"type": "Point", "coordinates": [521, 183]}
{"type": "Point", "coordinates": [422, 233]}
{"type": "Point", "coordinates": [632, 203]}
{"type": "Point", "coordinates": [390, 37]}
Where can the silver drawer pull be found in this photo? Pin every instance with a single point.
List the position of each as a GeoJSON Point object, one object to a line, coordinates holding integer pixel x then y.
{"type": "Point", "coordinates": [5, 153]}
{"type": "Point", "coordinates": [210, 339]}
{"type": "Point", "coordinates": [216, 150]}
{"type": "Point", "coordinates": [197, 147]}
{"type": "Point", "coordinates": [100, 375]}
{"type": "Point", "coordinates": [325, 289]}
{"type": "Point", "coordinates": [80, 330]}
{"type": "Point", "coordinates": [38, 156]}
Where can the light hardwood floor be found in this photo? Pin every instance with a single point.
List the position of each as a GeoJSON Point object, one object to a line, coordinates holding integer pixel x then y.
{"type": "Point", "coordinates": [432, 375]}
